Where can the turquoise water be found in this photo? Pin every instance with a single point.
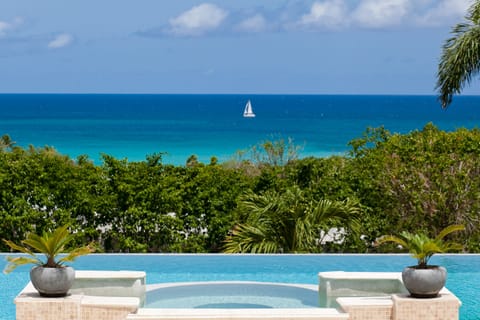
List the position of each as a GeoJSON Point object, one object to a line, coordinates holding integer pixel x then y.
{"type": "Point", "coordinates": [133, 126]}
{"type": "Point", "coordinates": [463, 271]}
{"type": "Point", "coordinates": [233, 295]}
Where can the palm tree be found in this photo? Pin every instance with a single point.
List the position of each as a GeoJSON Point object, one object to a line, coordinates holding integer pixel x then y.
{"type": "Point", "coordinates": [6, 142]}
{"type": "Point", "coordinates": [286, 222]}
{"type": "Point", "coordinates": [460, 59]}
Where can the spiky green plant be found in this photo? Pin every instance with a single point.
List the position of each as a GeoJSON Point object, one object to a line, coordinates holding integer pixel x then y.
{"type": "Point", "coordinates": [422, 247]}
{"type": "Point", "coordinates": [50, 244]}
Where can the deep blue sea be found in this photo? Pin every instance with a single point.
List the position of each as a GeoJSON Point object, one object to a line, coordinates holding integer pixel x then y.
{"type": "Point", "coordinates": [134, 126]}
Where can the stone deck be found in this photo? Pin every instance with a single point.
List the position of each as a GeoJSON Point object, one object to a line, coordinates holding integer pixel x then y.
{"type": "Point", "coordinates": [118, 295]}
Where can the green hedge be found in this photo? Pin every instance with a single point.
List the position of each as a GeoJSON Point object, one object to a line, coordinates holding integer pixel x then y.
{"type": "Point", "coordinates": [424, 180]}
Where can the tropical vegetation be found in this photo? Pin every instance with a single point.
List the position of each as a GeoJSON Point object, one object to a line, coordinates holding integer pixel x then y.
{"type": "Point", "coordinates": [287, 222]}
{"type": "Point", "coordinates": [422, 181]}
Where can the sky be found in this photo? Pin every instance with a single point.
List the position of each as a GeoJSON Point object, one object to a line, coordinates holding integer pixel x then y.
{"type": "Point", "coordinates": [227, 46]}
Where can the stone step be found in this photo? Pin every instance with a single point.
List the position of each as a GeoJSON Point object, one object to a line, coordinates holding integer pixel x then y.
{"type": "Point", "coordinates": [238, 314]}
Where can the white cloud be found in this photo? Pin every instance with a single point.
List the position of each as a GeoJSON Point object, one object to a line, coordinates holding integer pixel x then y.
{"type": "Point", "coordinates": [209, 72]}
{"type": "Point", "coordinates": [381, 13]}
{"type": "Point", "coordinates": [257, 23]}
{"type": "Point", "coordinates": [6, 27]}
{"type": "Point", "coordinates": [329, 14]}
{"type": "Point", "coordinates": [207, 18]}
{"type": "Point", "coordinates": [60, 41]}
{"type": "Point", "coordinates": [445, 11]}
{"type": "Point", "coordinates": [198, 20]}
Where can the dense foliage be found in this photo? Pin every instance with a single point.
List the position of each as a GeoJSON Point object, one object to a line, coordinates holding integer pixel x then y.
{"type": "Point", "coordinates": [286, 222]}
{"type": "Point", "coordinates": [421, 181]}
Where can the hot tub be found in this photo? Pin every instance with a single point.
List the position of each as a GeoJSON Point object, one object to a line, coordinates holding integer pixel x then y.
{"type": "Point", "coordinates": [232, 295]}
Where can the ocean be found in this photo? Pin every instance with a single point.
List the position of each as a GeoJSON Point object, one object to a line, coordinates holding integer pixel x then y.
{"type": "Point", "coordinates": [132, 126]}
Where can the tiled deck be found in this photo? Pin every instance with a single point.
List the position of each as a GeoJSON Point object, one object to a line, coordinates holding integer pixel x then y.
{"type": "Point", "coordinates": [88, 302]}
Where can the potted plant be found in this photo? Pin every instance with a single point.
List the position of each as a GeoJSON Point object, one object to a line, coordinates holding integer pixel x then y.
{"type": "Point", "coordinates": [49, 276]}
{"type": "Point", "coordinates": [424, 280]}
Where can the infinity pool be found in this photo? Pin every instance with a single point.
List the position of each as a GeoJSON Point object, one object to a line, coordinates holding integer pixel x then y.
{"type": "Point", "coordinates": [463, 271]}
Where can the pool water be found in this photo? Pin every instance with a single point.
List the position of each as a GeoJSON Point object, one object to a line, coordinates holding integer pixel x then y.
{"type": "Point", "coordinates": [463, 271]}
{"type": "Point", "coordinates": [232, 294]}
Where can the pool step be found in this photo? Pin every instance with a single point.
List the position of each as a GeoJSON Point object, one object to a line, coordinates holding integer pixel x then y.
{"type": "Point", "coordinates": [238, 314]}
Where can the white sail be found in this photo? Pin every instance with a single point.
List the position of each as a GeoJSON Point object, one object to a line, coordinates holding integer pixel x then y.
{"type": "Point", "coordinates": [248, 112]}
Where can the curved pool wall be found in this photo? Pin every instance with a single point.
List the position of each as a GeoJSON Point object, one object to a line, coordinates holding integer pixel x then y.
{"type": "Point", "coordinates": [231, 295]}
{"type": "Point", "coordinates": [245, 294]}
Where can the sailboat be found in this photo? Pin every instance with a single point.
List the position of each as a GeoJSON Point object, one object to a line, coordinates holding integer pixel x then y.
{"type": "Point", "coordinates": [248, 112]}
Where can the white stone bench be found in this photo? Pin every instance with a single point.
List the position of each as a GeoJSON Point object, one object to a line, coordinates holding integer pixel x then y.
{"type": "Point", "coordinates": [335, 284]}
{"type": "Point", "coordinates": [110, 283]}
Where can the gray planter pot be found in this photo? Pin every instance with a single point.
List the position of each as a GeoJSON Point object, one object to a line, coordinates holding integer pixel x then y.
{"type": "Point", "coordinates": [52, 282]}
{"type": "Point", "coordinates": [424, 283]}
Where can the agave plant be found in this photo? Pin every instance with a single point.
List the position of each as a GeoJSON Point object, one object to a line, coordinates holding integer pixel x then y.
{"type": "Point", "coordinates": [50, 244]}
{"type": "Point", "coordinates": [422, 247]}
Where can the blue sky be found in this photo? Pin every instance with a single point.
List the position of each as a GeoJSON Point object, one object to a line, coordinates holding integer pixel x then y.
{"type": "Point", "coordinates": [240, 46]}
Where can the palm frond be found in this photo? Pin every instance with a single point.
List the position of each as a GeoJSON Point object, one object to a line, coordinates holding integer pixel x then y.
{"type": "Point", "coordinates": [286, 221]}
{"type": "Point", "coordinates": [345, 212]}
{"type": "Point", "coordinates": [246, 238]}
{"type": "Point", "coordinates": [16, 247]}
{"type": "Point", "coordinates": [392, 238]}
{"type": "Point", "coordinates": [460, 59]}
{"type": "Point", "coordinates": [305, 236]}
{"type": "Point", "coordinates": [37, 243]}
{"type": "Point", "coordinates": [452, 246]}
{"type": "Point", "coordinates": [74, 254]}
{"type": "Point", "coordinates": [51, 244]}
{"type": "Point", "coordinates": [421, 246]}
{"type": "Point", "coordinates": [14, 262]}
{"type": "Point", "coordinates": [446, 231]}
